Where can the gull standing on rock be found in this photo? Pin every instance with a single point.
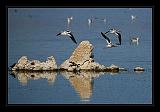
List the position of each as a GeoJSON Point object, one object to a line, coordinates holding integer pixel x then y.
{"type": "Point", "coordinates": [116, 32]}
{"type": "Point", "coordinates": [67, 33]}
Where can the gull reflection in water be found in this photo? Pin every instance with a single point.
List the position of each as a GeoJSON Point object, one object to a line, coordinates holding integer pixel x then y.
{"type": "Point", "coordinates": [82, 83]}
{"type": "Point", "coordinates": [24, 76]}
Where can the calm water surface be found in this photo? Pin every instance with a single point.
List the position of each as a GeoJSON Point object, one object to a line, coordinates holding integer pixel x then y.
{"type": "Point", "coordinates": [32, 32]}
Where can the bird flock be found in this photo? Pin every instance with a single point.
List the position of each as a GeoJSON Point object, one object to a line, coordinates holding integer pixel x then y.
{"type": "Point", "coordinates": [117, 33]}
{"type": "Point", "coordinates": [68, 33]}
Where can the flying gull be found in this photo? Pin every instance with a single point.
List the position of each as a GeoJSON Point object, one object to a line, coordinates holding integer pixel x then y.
{"type": "Point", "coordinates": [109, 43]}
{"type": "Point", "coordinates": [67, 33]}
{"type": "Point", "coordinates": [116, 32]}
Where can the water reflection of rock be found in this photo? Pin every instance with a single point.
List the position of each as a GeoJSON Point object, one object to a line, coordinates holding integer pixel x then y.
{"type": "Point", "coordinates": [82, 82]}
{"type": "Point", "coordinates": [24, 76]}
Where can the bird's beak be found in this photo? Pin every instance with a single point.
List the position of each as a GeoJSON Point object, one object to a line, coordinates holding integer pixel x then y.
{"type": "Point", "coordinates": [58, 34]}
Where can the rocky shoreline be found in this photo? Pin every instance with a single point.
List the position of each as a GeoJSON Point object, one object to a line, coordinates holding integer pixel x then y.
{"type": "Point", "coordinates": [80, 60]}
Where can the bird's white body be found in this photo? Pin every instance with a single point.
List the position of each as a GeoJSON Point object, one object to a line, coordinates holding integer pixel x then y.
{"type": "Point", "coordinates": [113, 31]}
{"type": "Point", "coordinates": [135, 39]}
{"type": "Point", "coordinates": [66, 33]}
{"type": "Point", "coordinates": [133, 17]}
{"type": "Point", "coordinates": [109, 43]}
{"type": "Point", "coordinates": [69, 19]}
{"type": "Point", "coordinates": [89, 21]}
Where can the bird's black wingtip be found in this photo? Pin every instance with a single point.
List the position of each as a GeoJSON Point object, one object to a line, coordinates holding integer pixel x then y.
{"type": "Point", "coordinates": [75, 42]}
{"type": "Point", "coordinates": [58, 34]}
{"type": "Point", "coordinates": [102, 34]}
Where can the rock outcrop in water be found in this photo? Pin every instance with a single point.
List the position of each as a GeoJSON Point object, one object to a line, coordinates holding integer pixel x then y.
{"type": "Point", "coordinates": [138, 69]}
{"type": "Point", "coordinates": [25, 64]}
{"type": "Point", "coordinates": [82, 59]}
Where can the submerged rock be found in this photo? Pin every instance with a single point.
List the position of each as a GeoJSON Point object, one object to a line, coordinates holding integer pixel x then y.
{"type": "Point", "coordinates": [122, 69]}
{"type": "Point", "coordinates": [138, 69]}
{"type": "Point", "coordinates": [25, 64]}
{"type": "Point", "coordinates": [82, 59]}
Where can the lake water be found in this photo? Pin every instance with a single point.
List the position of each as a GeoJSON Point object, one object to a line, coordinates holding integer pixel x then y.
{"type": "Point", "coordinates": [32, 32]}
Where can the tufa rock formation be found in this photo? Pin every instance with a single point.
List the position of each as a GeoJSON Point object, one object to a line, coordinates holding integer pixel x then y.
{"type": "Point", "coordinates": [25, 64]}
{"type": "Point", "coordinates": [82, 59]}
